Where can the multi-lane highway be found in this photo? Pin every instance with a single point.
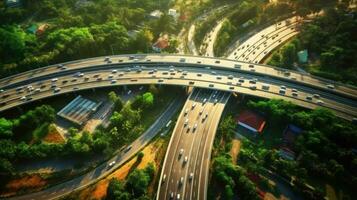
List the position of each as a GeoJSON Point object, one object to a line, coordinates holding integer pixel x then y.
{"type": "Point", "coordinates": [233, 81]}
{"type": "Point", "coordinates": [178, 60]}
{"type": "Point", "coordinates": [186, 164]}
{"type": "Point", "coordinates": [257, 47]}
{"type": "Point", "coordinates": [210, 38]}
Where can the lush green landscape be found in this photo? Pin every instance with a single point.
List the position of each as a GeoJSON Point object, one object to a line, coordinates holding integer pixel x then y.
{"type": "Point", "coordinates": [78, 31]}
{"type": "Point", "coordinates": [324, 153]}
{"type": "Point", "coordinates": [22, 138]}
{"type": "Point", "coordinates": [322, 158]}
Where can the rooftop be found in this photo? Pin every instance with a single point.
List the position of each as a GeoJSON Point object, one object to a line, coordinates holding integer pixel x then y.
{"type": "Point", "coordinates": [251, 120]}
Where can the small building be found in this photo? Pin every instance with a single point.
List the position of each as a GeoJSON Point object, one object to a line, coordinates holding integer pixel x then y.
{"type": "Point", "coordinates": [13, 3]}
{"type": "Point", "coordinates": [41, 29]}
{"type": "Point", "coordinates": [251, 121]}
{"type": "Point", "coordinates": [303, 56]}
{"type": "Point", "coordinates": [79, 110]}
{"type": "Point", "coordinates": [156, 14]}
{"type": "Point", "coordinates": [161, 43]}
{"type": "Point", "coordinates": [173, 13]}
{"type": "Point", "coordinates": [290, 134]}
{"type": "Point", "coordinates": [32, 29]}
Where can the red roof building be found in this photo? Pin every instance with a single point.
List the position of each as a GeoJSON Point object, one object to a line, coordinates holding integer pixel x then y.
{"type": "Point", "coordinates": [251, 121]}
{"type": "Point", "coordinates": [161, 43]}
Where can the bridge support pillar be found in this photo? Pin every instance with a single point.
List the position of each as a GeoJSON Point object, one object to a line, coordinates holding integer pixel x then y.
{"type": "Point", "coordinates": [125, 87]}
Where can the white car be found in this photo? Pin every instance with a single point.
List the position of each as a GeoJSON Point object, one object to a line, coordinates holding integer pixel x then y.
{"type": "Point", "coordinates": [164, 178]}
{"type": "Point", "coordinates": [180, 152]}
{"type": "Point", "coordinates": [320, 102]}
{"type": "Point", "coordinates": [186, 122]}
{"type": "Point", "coordinates": [114, 71]}
{"type": "Point", "coordinates": [111, 164]}
{"type": "Point", "coordinates": [194, 127]}
{"type": "Point", "coordinates": [54, 79]}
{"type": "Point", "coordinates": [185, 160]}
{"type": "Point", "coordinates": [191, 176]}
{"type": "Point", "coordinates": [329, 86]}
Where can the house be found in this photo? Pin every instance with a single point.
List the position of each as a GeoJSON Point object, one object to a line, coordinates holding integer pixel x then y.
{"type": "Point", "coordinates": [41, 29]}
{"type": "Point", "coordinates": [173, 13]}
{"type": "Point", "coordinates": [13, 3]}
{"type": "Point", "coordinates": [302, 56]}
{"type": "Point", "coordinates": [156, 14]}
{"type": "Point", "coordinates": [290, 134]}
{"type": "Point", "coordinates": [161, 43]}
{"type": "Point", "coordinates": [32, 29]}
{"type": "Point", "coordinates": [251, 121]}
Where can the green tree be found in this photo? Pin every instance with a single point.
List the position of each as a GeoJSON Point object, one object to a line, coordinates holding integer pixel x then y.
{"type": "Point", "coordinates": [12, 44]}
{"type": "Point", "coordinates": [5, 128]}
{"type": "Point", "coordinates": [143, 40]}
{"type": "Point", "coordinates": [137, 182]}
{"type": "Point", "coordinates": [228, 192]}
{"type": "Point", "coordinates": [288, 55]}
{"type": "Point", "coordinates": [116, 191]}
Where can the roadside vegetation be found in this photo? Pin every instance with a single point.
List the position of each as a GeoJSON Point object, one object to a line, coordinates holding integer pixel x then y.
{"type": "Point", "coordinates": [21, 138]}
{"type": "Point", "coordinates": [330, 44]}
{"type": "Point", "coordinates": [228, 180]}
{"type": "Point", "coordinates": [324, 154]}
{"type": "Point", "coordinates": [78, 30]}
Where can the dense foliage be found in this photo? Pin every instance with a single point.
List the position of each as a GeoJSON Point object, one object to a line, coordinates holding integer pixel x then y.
{"type": "Point", "coordinates": [324, 149]}
{"type": "Point", "coordinates": [78, 29]}
{"type": "Point", "coordinates": [332, 40]}
{"type": "Point", "coordinates": [228, 178]}
{"type": "Point", "coordinates": [135, 186]}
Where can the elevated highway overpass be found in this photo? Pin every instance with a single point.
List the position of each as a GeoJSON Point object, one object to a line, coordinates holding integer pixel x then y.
{"type": "Point", "coordinates": [179, 60]}
{"type": "Point", "coordinates": [233, 81]}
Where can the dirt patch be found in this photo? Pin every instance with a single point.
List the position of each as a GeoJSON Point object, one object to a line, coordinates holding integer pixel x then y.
{"type": "Point", "coordinates": [236, 143]}
{"type": "Point", "coordinates": [24, 183]}
{"type": "Point", "coordinates": [330, 192]}
{"type": "Point", "coordinates": [53, 135]}
{"type": "Point", "coordinates": [91, 125]}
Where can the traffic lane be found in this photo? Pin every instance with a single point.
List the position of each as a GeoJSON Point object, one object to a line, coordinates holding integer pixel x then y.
{"type": "Point", "coordinates": [178, 167]}
{"type": "Point", "coordinates": [177, 75]}
{"type": "Point", "coordinates": [197, 136]}
{"type": "Point", "coordinates": [210, 38]}
{"type": "Point", "coordinates": [167, 166]}
{"type": "Point", "coordinates": [203, 144]}
{"type": "Point", "coordinates": [174, 59]}
{"type": "Point", "coordinates": [264, 40]}
{"type": "Point", "coordinates": [259, 56]}
{"type": "Point", "coordinates": [262, 36]}
{"type": "Point", "coordinates": [205, 165]}
{"type": "Point", "coordinates": [204, 84]}
{"type": "Point", "coordinates": [270, 46]}
{"type": "Point", "coordinates": [192, 191]}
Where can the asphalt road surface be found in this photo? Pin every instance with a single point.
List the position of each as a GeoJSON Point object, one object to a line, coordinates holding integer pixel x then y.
{"type": "Point", "coordinates": [192, 140]}
{"type": "Point", "coordinates": [198, 77]}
